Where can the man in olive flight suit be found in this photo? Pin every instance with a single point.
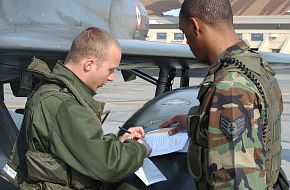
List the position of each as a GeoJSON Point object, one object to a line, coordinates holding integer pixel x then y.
{"type": "Point", "coordinates": [235, 132]}
{"type": "Point", "coordinates": [61, 143]}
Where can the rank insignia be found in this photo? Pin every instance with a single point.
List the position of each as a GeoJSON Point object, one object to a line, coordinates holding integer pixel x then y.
{"type": "Point", "coordinates": [232, 128]}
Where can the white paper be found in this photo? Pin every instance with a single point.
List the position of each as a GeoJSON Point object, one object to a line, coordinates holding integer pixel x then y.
{"type": "Point", "coordinates": [149, 173]}
{"type": "Point", "coordinates": [161, 143]}
{"type": "Point", "coordinates": [185, 148]}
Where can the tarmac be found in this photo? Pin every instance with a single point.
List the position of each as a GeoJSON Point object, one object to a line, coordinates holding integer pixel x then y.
{"type": "Point", "coordinates": [123, 99]}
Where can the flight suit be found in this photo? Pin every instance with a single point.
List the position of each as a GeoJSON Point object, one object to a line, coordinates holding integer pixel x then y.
{"type": "Point", "coordinates": [236, 131]}
{"type": "Point", "coordinates": [61, 143]}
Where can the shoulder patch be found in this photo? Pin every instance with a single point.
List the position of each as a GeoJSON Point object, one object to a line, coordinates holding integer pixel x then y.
{"type": "Point", "coordinates": [231, 128]}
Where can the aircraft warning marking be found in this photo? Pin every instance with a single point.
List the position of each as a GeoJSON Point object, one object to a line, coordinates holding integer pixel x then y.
{"type": "Point", "coordinates": [138, 16]}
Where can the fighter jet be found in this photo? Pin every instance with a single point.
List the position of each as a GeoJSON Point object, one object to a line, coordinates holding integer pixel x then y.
{"type": "Point", "coordinates": [45, 29]}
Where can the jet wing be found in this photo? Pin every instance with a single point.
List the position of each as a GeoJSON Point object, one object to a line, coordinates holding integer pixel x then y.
{"type": "Point", "coordinates": [17, 47]}
{"type": "Point", "coordinates": [276, 59]}
{"type": "Point", "coordinates": [157, 54]}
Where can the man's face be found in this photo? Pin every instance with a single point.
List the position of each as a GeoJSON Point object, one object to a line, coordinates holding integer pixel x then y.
{"type": "Point", "coordinates": [193, 37]}
{"type": "Point", "coordinates": [104, 71]}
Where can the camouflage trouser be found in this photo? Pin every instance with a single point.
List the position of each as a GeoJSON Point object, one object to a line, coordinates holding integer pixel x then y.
{"type": "Point", "coordinates": [281, 184]}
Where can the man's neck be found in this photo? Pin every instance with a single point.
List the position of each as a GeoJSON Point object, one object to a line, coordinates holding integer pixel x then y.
{"type": "Point", "coordinates": [219, 43]}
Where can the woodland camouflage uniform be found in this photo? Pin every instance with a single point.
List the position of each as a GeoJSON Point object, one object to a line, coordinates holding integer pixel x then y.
{"type": "Point", "coordinates": [235, 132]}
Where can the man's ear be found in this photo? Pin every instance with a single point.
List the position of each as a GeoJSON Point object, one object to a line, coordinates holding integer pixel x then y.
{"type": "Point", "coordinates": [88, 64]}
{"type": "Point", "coordinates": [195, 22]}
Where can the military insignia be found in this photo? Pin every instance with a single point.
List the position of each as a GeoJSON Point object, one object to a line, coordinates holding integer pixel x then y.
{"type": "Point", "coordinates": [232, 128]}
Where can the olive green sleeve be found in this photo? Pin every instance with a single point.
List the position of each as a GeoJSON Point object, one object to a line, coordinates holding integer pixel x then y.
{"type": "Point", "coordinates": [78, 139]}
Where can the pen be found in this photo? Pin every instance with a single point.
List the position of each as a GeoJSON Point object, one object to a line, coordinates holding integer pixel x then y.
{"type": "Point", "coordinates": [125, 130]}
{"type": "Point", "coordinates": [105, 117]}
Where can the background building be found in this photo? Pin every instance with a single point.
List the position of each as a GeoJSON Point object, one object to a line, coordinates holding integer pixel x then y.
{"type": "Point", "coordinates": [240, 7]}
{"type": "Point", "coordinates": [263, 33]}
{"type": "Point", "coordinates": [265, 24]}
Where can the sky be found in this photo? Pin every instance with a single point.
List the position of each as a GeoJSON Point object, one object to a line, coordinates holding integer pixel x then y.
{"type": "Point", "coordinates": [173, 12]}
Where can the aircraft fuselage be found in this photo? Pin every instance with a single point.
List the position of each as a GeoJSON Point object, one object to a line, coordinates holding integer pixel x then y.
{"type": "Point", "coordinates": [126, 19]}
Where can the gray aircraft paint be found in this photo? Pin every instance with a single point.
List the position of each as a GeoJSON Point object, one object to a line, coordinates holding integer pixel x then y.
{"type": "Point", "coordinates": [45, 28]}
{"type": "Point", "coordinates": [126, 19]}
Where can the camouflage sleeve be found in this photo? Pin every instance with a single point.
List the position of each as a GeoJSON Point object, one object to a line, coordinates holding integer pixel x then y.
{"type": "Point", "coordinates": [236, 156]}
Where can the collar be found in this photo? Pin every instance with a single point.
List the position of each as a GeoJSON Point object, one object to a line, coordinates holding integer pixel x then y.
{"type": "Point", "coordinates": [238, 48]}
{"type": "Point", "coordinates": [82, 89]}
{"type": "Point", "coordinates": [63, 72]}
{"type": "Point", "coordinates": [63, 76]}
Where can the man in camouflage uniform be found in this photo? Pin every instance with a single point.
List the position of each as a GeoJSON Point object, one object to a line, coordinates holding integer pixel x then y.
{"type": "Point", "coordinates": [61, 144]}
{"type": "Point", "coordinates": [235, 131]}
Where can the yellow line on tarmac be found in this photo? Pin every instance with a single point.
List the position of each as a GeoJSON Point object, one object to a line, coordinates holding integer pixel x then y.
{"type": "Point", "coordinates": [286, 94]}
{"type": "Point", "coordinates": [15, 106]}
{"type": "Point", "coordinates": [127, 102]}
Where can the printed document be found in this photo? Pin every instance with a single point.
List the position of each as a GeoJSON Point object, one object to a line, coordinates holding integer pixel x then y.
{"type": "Point", "coordinates": [149, 173]}
{"type": "Point", "coordinates": [161, 143]}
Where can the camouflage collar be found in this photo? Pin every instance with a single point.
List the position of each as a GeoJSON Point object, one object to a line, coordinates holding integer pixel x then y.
{"type": "Point", "coordinates": [236, 49]}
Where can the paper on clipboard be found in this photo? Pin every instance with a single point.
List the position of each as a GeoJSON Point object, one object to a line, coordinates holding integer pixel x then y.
{"type": "Point", "coordinates": [161, 143]}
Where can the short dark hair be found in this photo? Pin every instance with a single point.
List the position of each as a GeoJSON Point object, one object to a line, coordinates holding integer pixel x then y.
{"type": "Point", "coordinates": [92, 41]}
{"type": "Point", "coordinates": [208, 11]}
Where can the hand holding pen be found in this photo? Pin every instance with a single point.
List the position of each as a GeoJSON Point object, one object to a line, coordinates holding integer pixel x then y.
{"type": "Point", "coordinates": [135, 133]}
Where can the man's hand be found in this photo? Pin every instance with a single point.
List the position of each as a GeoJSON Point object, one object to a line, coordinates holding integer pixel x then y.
{"type": "Point", "coordinates": [135, 133]}
{"type": "Point", "coordinates": [179, 120]}
{"type": "Point", "coordinates": [147, 146]}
